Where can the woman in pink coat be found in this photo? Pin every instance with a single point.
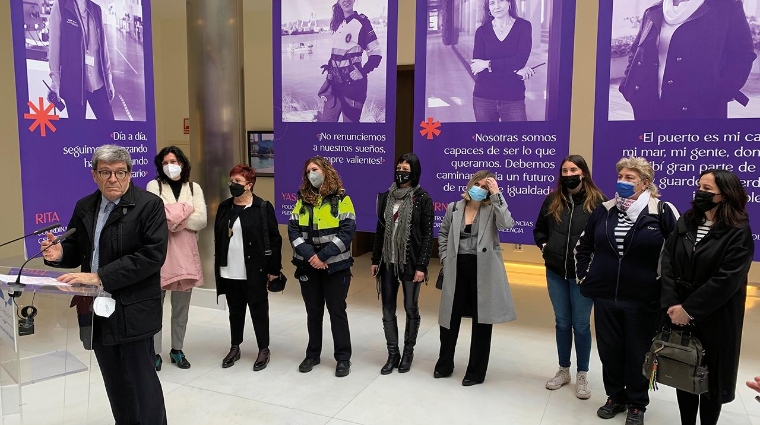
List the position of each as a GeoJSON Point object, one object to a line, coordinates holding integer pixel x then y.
{"type": "Point", "coordinates": [186, 215]}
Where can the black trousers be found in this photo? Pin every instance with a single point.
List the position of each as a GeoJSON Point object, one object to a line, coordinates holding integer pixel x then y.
{"type": "Point", "coordinates": [466, 304]}
{"type": "Point", "coordinates": [319, 289]}
{"type": "Point", "coordinates": [689, 404]}
{"type": "Point", "coordinates": [389, 289]}
{"type": "Point", "coordinates": [98, 101]}
{"type": "Point", "coordinates": [254, 295]}
{"type": "Point", "coordinates": [624, 331]}
{"type": "Point", "coordinates": [132, 385]}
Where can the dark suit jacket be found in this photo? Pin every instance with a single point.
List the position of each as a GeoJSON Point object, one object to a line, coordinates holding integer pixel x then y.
{"type": "Point", "coordinates": [257, 265]}
{"type": "Point", "coordinates": [708, 62]}
{"type": "Point", "coordinates": [132, 250]}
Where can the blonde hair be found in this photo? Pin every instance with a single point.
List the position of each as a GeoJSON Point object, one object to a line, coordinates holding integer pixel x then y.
{"type": "Point", "coordinates": [478, 176]}
{"type": "Point", "coordinates": [643, 168]}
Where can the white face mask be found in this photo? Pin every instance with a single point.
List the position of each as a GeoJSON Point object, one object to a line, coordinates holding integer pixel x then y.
{"type": "Point", "coordinates": [104, 305]}
{"type": "Point", "coordinates": [316, 178]}
{"type": "Point", "coordinates": [173, 171]}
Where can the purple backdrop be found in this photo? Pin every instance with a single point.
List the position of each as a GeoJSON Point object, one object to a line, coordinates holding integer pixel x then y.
{"type": "Point", "coordinates": [55, 168]}
{"type": "Point", "coordinates": [523, 155]}
{"type": "Point", "coordinates": [361, 152]}
{"type": "Point", "coordinates": [679, 149]}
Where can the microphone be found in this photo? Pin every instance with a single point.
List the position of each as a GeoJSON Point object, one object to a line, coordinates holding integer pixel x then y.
{"type": "Point", "coordinates": [36, 232]}
{"type": "Point", "coordinates": [13, 293]}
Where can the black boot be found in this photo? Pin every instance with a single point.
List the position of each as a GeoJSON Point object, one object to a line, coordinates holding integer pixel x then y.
{"type": "Point", "coordinates": [410, 340]}
{"type": "Point", "coordinates": [391, 338]}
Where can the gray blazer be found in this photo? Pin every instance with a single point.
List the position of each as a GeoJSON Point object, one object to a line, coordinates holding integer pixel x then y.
{"type": "Point", "coordinates": [495, 303]}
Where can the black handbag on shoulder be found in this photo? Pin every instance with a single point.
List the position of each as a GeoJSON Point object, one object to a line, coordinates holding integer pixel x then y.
{"type": "Point", "coordinates": [676, 359]}
{"type": "Point", "coordinates": [277, 285]}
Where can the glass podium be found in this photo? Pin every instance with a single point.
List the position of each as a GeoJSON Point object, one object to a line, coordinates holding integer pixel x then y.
{"type": "Point", "coordinates": [45, 362]}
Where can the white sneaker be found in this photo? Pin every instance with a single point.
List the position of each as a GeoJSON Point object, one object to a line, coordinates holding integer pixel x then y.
{"type": "Point", "coordinates": [561, 378]}
{"type": "Point", "coordinates": [582, 390]}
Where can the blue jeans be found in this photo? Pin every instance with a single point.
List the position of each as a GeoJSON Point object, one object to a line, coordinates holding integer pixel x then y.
{"type": "Point", "coordinates": [490, 110]}
{"type": "Point", "coordinates": [572, 313]}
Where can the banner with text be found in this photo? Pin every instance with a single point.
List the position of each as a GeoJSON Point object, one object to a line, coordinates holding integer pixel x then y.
{"type": "Point", "coordinates": [492, 91]}
{"type": "Point", "coordinates": [691, 107]}
{"type": "Point", "coordinates": [335, 96]}
{"type": "Point", "coordinates": [84, 78]}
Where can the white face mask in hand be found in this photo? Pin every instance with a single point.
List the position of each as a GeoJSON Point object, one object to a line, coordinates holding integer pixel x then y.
{"type": "Point", "coordinates": [104, 305]}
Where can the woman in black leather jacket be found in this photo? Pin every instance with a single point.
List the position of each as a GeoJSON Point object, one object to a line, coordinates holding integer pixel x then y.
{"type": "Point", "coordinates": [560, 223]}
{"type": "Point", "coordinates": [403, 243]}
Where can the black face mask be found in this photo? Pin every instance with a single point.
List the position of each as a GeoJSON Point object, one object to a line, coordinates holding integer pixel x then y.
{"type": "Point", "coordinates": [237, 189]}
{"type": "Point", "coordinates": [703, 201]}
{"type": "Point", "coordinates": [403, 177]}
{"type": "Point", "coordinates": [570, 182]}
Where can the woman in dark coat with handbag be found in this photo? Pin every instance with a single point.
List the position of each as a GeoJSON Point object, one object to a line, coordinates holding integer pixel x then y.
{"type": "Point", "coordinates": [704, 285]}
{"type": "Point", "coordinates": [689, 59]}
{"type": "Point", "coordinates": [241, 266]}
{"type": "Point", "coordinates": [403, 244]}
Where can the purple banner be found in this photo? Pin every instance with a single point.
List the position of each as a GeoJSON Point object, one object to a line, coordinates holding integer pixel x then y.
{"type": "Point", "coordinates": [335, 96]}
{"type": "Point", "coordinates": [84, 78]}
{"type": "Point", "coordinates": [476, 111]}
{"type": "Point", "coordinates": [682, 89]}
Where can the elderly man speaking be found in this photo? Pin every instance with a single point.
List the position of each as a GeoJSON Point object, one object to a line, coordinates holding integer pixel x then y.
{"type": "Point", "coordinates": [120, 245]}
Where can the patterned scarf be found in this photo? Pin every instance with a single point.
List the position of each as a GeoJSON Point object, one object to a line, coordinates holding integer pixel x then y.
{"type": "Point", "coordinates": [395, 242]}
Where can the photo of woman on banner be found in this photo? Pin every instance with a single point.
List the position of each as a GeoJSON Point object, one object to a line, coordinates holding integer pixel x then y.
{"type": "Point", "coordinates": [83, 58]}
{"type": "Point", "coordinates": [499, 63]}
{"type": "Point", "coordinates": [493, 60]}
{"type": "Point", "coordinates": [80, 66]}
{"type": "Point", "coordinates": [689, 60]}
{"type": "Point", "coordinates": [344, 90]}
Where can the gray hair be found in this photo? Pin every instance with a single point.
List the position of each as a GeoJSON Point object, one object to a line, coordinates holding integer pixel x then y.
{"type": "Point", "coordinates": [110, 154]}
{"type": "Point", "coordinates": [643, 168]}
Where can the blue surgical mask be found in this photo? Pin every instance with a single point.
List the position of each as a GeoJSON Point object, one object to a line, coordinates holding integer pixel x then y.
{"type": "Point", "coordinates": [477, 193]}
{"type": "Point", "coordinates": [625, 189]}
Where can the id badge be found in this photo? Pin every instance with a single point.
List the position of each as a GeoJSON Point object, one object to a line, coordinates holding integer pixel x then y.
{"type": "Point", "coordinates": [89, 60]}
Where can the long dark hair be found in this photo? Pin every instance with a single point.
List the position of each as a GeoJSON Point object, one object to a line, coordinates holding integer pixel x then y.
{"type": "Point", "coordinates": [181, 158]}
{"type": "Point", "coordinates": [512, 10]}
{"type": "Point", "coordinates": [414, 163]}
{"type": "Point", "coordinates": [594, 196]}
{"type": "Point", "coordinates": [731, 210]}
{"type": "Point", "coordinates": [337, 17]}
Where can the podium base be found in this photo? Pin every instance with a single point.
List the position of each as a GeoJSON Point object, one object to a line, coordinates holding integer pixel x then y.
{"type": "Point", "coordinates": [42, 367]}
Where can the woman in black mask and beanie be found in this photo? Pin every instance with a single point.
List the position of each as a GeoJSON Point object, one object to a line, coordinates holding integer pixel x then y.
{"type": "Point", "coordinates": [403, 243]}
{"type": "Point", "coordinates": [560, 223]}
{"type": "Point", "coordinates": [241, 267]}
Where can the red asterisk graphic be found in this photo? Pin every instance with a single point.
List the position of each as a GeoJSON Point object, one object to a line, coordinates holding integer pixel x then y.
{"type": "Point", "coordinates": [430, 128]}
{"type": "Point", "coordinates": [41, 116]}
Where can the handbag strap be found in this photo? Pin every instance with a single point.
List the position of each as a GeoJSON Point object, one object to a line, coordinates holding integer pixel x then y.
{"type": "Point", "coordinates": [265, 227]}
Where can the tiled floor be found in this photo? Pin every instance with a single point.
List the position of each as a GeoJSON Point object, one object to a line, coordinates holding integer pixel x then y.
{"type": "Point", "coordinates": [523, 357]}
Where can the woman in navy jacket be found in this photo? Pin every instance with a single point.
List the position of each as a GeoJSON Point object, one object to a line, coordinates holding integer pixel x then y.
{"type": "Point", "coordinates": [704, 285]}
{"type": "Point", "coordinates": [616, 264]}
{"type": "Point", "coordinates": [689, 59]}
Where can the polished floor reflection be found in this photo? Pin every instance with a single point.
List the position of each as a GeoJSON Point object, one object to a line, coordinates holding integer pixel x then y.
{"type": "Point", "coordinates": [523, 357]}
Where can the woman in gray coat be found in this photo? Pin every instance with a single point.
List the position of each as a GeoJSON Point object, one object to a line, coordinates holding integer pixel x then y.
{"type": "Point", "coordinates": [475, 281]}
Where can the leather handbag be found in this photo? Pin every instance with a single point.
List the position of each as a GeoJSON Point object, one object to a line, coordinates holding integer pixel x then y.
{"type": "Point", "coordinates": [439, 281]}
{"type": "Point", "coordinates": [676, 359]}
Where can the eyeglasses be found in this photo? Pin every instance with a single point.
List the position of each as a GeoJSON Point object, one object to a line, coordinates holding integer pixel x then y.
{"type": "Point", "coordinates": [106, 174]}
{"type": "Point", "coordinates": [240, 182]}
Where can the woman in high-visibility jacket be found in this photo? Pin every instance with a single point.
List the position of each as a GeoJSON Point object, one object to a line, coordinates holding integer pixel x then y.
{"type": "Point", "coordinates": [321, 228]}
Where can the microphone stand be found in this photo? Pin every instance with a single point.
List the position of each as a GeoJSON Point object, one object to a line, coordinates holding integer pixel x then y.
{"type": "Point", "coordinates": [13, 292]}
{"type": "Point", "coordinates": [36, 232]}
